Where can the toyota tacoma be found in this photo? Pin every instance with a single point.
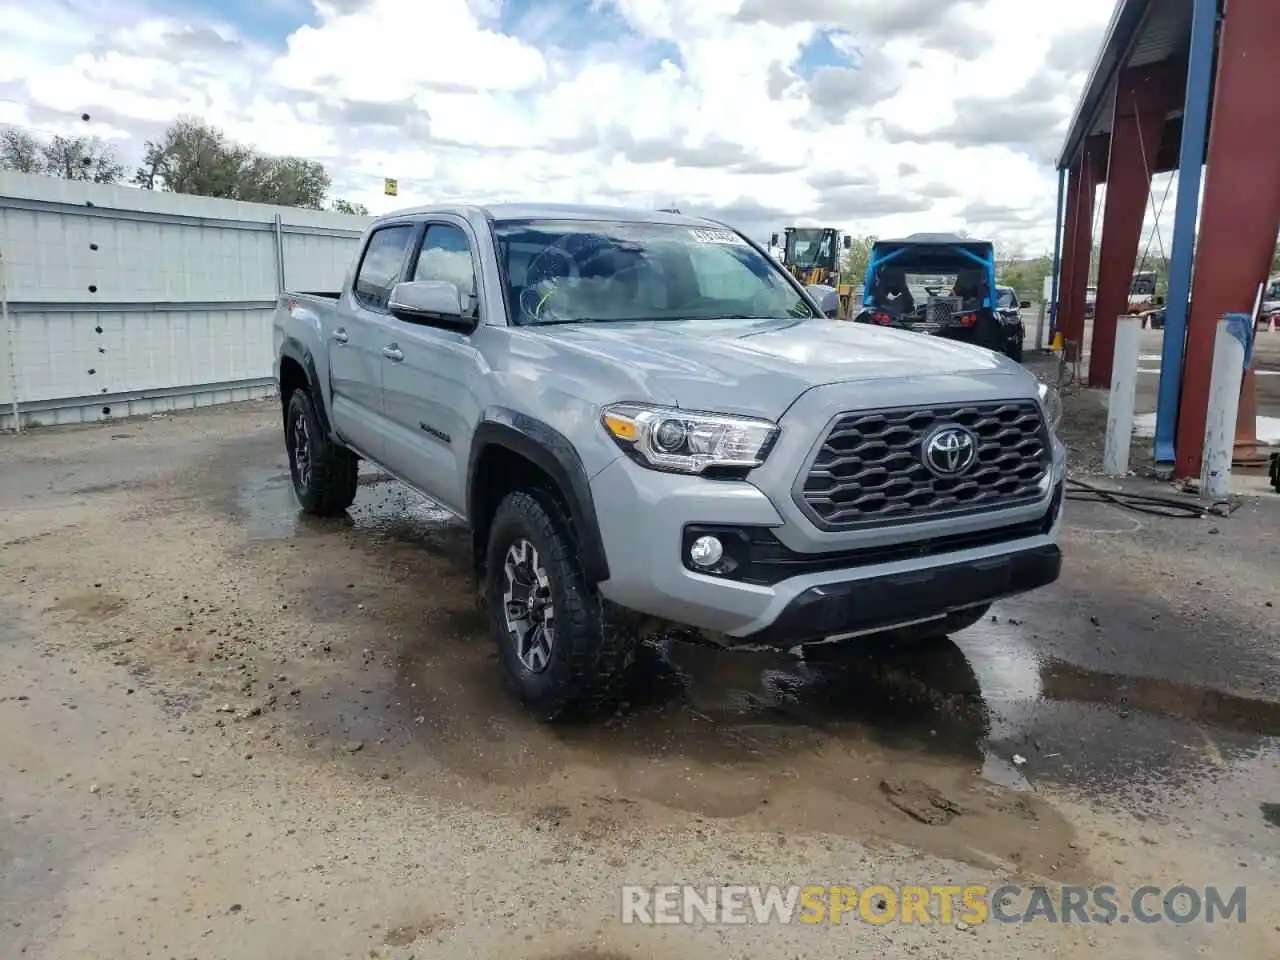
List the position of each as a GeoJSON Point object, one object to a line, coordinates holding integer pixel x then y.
{"type": "Point", "coordinates": [647, 423]}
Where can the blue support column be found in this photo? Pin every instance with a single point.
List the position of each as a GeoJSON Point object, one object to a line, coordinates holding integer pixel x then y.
{"type": "Point", "coordinates": [1052, 306]}
{"type": "Point", "coordinates": [1195, 123]}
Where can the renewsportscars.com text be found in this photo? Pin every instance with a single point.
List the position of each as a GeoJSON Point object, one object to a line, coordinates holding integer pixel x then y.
{"type": "Point", "coordinates": [937, 904]}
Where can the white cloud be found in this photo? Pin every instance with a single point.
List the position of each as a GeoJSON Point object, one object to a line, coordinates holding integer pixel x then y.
{"type": "Point", "coordinates": [922, 114]}
{"type": "Point", "coordinates": [390, 49]}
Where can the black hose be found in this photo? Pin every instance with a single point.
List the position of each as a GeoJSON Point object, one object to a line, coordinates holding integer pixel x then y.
{"type": "Point", "coordinates": [1142, 503]}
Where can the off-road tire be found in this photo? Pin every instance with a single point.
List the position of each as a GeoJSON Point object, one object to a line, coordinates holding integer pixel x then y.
{"type": "Point", "coordinates": [591, 658]}
{"type": "Point", "coordinates": [326, 484]}
{"type": "Point", "coordinates": [1014, 352]}
{"type": "Point", "coordinates": [989, 332]}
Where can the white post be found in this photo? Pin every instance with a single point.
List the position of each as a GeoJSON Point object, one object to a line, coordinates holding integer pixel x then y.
{"type": "Point", "coordinates": [1220, 420]}
{"type": "Point", "coordinates": [11, 344]}
{"type": "Point", "coordinates": [1124, 384]}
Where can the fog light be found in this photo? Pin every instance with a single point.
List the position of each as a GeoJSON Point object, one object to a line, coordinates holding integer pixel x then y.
{"type": "Point", "coordinates": [706, 552]}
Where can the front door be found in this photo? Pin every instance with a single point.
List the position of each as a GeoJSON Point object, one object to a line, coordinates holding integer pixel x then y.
{"type": "Point", "coordinates": [356, 341]}
{"type": "Point", "coordinates": [428, 378]}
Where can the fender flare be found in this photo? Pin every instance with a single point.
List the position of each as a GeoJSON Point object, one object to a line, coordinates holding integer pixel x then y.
{"type": "Point", "coordinates": [297, 351]}
{"type": "Point", "coordinates": [551, 451]}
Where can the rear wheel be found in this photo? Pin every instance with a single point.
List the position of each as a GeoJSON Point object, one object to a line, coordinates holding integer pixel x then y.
{"type": "Point", "coordinates": [558, 650]}
{"type": "Point", "coordinates": [325, 475]}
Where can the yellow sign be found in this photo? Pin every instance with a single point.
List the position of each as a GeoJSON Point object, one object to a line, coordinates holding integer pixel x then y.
{"type": "Point", "coordinates": [391, 187]}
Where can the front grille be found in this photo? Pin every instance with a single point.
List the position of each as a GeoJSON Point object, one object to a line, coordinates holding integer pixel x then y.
{"type": "Point", "coordinates": [870, 470]}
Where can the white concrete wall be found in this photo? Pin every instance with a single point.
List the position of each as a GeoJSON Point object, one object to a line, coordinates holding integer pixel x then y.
{"type": "Point", "coordinates": [126, 301]}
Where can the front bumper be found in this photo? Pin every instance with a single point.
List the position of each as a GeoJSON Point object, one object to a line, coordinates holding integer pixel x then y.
{"type": "Point", "coordinates": [644, 518]}
{"type": "Point", "coordinates": [856, 606]}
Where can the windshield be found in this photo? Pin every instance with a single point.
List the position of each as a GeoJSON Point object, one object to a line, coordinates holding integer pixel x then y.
{"type": "Point", "coordinates": [809, 248]}
{"type": "Point", "coordinates": [576, 271]}
{"type": "Point", "coordinates": [1144, 285]}
{"type": "Point", "coordinates": [1006, 299]}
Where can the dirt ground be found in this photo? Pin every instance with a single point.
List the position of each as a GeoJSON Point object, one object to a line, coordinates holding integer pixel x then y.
{"type": "Point", "coordinates": [235, 732]}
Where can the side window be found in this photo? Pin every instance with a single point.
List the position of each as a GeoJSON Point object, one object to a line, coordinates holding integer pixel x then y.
{"type": "Point", "coordinates": [380, 267]}
{"type": "Point", "coordinates": [446, 255]}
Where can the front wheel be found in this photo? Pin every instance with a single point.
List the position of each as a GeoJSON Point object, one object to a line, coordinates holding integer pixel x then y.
{"type": "Point", "coordinates": [558, 650]}
{"type": "Point", "coordinates": [325, 475]}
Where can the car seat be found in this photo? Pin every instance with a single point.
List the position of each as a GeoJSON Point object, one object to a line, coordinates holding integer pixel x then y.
{"type": "Point", "coordinates": [892, 295]}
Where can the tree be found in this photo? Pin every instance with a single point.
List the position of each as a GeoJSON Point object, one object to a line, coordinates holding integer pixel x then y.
{"type": "Point", "coordinates": [1008, 254]}
{"type": "Point", "coordinates": [20, 151]}
{"type": "Point", "coordinates": [346, 206]}
{"type": "Point", "coordinates": [81, 158]}
{"type": "Point", "coordinates": [854, 261]}
{"type": "Point", "coordinates": [1027, 277]}
{"type": "Point", "coordinates": [71, 158]}
{"type": "Point", "coordinates": [194, 157]}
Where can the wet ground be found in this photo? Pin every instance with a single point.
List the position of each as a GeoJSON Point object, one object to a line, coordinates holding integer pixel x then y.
{"type": "Point", "coordinates": [234, 731]}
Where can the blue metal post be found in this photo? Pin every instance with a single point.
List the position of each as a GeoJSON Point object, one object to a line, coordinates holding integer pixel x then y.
{"type": "Point", "coordinates": [1057, 255]}
{"type": "Point", "coordinates": [1195, 122]}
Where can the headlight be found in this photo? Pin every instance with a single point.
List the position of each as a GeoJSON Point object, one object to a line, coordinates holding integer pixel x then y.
{"type": "Point", "coordinates": [684, 441]}
{"type": "Point", "coordinates": [1051, 404]}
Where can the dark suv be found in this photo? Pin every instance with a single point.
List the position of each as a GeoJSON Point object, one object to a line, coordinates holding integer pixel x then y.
{"type": "Point", "coordinates": [1009, 310]}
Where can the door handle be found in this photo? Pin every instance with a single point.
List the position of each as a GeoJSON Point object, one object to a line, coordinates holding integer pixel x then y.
{"type": "Point", "coordinates": [340, 336]}
{"type": "Point", "coordinates": [392, 352]}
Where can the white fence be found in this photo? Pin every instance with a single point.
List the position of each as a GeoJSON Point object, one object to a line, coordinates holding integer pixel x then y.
{"type": "Point", "coordinates": [124, 301]}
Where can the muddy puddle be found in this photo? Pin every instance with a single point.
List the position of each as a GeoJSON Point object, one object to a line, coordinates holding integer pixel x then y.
{"type": "Point", "coordinates": [854, 741]}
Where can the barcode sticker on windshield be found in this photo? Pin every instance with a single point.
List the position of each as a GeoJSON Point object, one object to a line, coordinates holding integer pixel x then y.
{"type": "Point", "coordinates": [718, 236]}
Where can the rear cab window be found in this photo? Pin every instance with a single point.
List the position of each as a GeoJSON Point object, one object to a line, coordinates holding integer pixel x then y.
{"type": "Point", "coordinates": [381, 264]}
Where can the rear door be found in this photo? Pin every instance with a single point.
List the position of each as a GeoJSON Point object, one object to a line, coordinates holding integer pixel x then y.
{"type": "Point", "coordinates": [356, 341]}
{"type": "Point", "coordinates": [431, 372]}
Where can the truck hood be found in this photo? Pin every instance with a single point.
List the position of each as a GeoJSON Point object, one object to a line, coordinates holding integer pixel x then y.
{"type": "Point", "coordinates": [760, 367]}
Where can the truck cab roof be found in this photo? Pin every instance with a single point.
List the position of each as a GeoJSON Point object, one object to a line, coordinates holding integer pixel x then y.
{"type": "Point", "coordinates": [502, 212]}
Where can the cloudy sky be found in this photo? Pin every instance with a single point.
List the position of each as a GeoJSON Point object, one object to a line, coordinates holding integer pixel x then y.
{"type": "Point", "coordinates": [877, 116]}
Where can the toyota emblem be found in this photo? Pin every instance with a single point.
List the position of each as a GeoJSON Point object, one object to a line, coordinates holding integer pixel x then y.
{"type": "Point", "coordinates": [950, 451]}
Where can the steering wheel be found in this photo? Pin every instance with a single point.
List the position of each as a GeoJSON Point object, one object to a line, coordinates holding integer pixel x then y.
{"type": "Point", "coordinates": [542, 278]}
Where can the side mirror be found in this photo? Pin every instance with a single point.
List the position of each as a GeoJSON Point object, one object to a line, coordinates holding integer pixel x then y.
{"type": "Point", "coordinates": [827, 298]}
{"type": "Point", "coordinates": [426, 300]}
{"type": "Point", "coordinates": [847, 243]}
{"type": "Point", "coordinates": [773, 240]}
{"type": "Point", "coordinates": [1024, 304]}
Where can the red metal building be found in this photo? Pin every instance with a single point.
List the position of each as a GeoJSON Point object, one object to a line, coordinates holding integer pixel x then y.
{"type": "Point", "coordinates": [1192, 86]}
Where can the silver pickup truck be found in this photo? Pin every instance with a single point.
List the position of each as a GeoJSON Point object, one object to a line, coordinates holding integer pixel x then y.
{"type": "Point", "coordinates": [645, 420]}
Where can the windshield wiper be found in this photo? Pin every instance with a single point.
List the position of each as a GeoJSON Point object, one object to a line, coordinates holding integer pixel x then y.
{"type": "Point", "coordinates": [752, 316]}
{"type": "Point", "coordinates": [547, 323]}
{"type": "Point", "coordinates": [675, 319]}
